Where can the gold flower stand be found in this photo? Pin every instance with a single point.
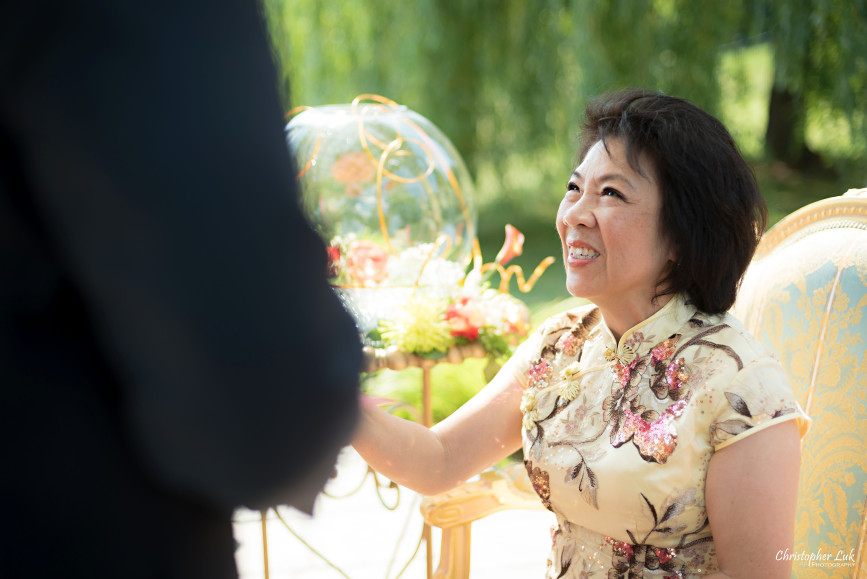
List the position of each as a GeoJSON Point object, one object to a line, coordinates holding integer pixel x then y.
{"type": "Point", "coordinates": [394, 359]}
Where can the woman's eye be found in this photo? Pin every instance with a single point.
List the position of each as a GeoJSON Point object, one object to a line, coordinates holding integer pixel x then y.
{"type": "Point", "coordinates": [570, 186]}
{"type": "Point", "coordinates": [609, 192]}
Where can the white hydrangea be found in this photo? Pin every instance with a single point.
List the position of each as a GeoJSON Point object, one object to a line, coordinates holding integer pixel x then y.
{"type": "Point", "coordinates": [505, 313]}
{"type": "Point", "coordinates": [473, 286]}
{"type": "Point", "coordinates": [405, 268]}
{"type": "Point", "coordinates": [440, 278]}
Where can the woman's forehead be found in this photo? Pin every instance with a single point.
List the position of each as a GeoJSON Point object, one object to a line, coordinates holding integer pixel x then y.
{"type": "Point", "coordinates": [621, 154]}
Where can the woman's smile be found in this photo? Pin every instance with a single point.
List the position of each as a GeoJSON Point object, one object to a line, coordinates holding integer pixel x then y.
{"type": "Point", "coordinates": [580, 254]}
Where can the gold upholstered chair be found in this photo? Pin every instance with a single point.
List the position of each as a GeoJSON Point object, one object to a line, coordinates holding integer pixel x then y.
{"type": "Point", "coordinates": [805, 295]}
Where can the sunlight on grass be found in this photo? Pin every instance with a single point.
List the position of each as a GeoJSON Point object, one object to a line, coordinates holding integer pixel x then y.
{"type": "Point", "coordinates": [453, 384]}
{"type": "Point", "coordinates": [831, 132]}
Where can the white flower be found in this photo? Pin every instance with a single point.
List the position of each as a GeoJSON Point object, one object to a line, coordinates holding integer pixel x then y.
{"type": "Point", "coordinates": [506, 314]}
{"type": "Point", "coordinates": [419, 265]}
{"type": "Point", "coordinates": [405, 268]}
{"type": "Point", "coordinates": [442, 278]}
{"type": "Point", "coordinates": [473, 284]}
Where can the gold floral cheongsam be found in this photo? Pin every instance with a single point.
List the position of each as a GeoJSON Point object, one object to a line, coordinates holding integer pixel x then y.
{"type": "Point", "coordinates": [618, 436]}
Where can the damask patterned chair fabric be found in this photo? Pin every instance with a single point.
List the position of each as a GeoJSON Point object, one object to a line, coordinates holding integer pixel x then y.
{"type": "Point", "coordinates": [805, 295]}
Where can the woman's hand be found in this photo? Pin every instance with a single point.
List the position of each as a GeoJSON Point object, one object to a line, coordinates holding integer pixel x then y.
{"type": "Point", "coordinates": [751, 493]}
{"type": "Point", "coordinates": [429, 461]}
{"type": "Point", "coordinates": [368, 402]}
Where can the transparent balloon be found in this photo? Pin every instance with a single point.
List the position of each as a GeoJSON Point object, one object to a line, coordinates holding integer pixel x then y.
{"type": "Point", "coordinates": [391, 198]}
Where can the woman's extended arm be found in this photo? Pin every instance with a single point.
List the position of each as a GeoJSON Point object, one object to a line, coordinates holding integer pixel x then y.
{"type": "Point", "coordinates": [751, 492]}
{"type": "Point", "coordinates": [484, 430]}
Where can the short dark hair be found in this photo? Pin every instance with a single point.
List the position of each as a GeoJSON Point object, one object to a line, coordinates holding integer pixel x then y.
{"type": "Point", "coordinates": [712, 212]}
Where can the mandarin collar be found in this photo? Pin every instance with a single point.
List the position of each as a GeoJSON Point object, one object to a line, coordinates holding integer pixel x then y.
{"type": "Point", "coordinates": [640, 338]}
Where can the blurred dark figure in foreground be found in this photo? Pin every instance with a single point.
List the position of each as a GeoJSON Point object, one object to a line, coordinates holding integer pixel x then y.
{"type": "Point", "coordinates": [169, 347]}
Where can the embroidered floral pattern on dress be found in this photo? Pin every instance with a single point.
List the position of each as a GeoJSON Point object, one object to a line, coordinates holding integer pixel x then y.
{"type": "Point", "coordinates": [539, 480]}
{"type": "Point", "coordinates": [539, 374]}
{"type": "Point", "coordinates": [624, 397]}
{"type": "Point", "coordinates": [677, 381]}
{"type": "Point", "coordinates": [624, 372]}
{"type": "Point", "coordinates": [664, 351]}
{"type": "Point", "coordinates": [671, 374]}
{"type": "Point", "coordinates": [675, 375]}
{"type": "Point", "coordinates": [654, 435]}
{"type": "Point", "coordinates": [631, 559]}
{"type": "Point", "coordinates": [569, 344]}
{"type": "Point", "coordinates": [655, 440]}
{"type": "Point", "coordinates": [735, 426]}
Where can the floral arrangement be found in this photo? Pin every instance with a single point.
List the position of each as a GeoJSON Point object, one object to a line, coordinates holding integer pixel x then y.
{"type": "Point", "coordinates": [392, 199]}
{"type": "Point", "coordinates": [443, 305]}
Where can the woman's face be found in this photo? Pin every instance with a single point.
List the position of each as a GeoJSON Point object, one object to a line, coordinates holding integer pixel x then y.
{"type": "Point", "coordinates": [613, 249]}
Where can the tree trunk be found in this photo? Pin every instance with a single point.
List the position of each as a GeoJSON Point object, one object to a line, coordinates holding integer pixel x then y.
{"type": "Point", "coordinates": [784, 138]}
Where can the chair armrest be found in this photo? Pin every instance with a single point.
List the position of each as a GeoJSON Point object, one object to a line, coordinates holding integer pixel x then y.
{"type": "Point", "coordinates": [495, 490]}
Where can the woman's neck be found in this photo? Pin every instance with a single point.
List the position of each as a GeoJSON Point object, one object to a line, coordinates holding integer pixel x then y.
{"type": "Point", "coordinates": [620, 320]}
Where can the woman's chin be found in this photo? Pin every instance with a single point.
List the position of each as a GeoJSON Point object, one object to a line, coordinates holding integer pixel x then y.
{"type": "Point", "coordinates": [579, 291]}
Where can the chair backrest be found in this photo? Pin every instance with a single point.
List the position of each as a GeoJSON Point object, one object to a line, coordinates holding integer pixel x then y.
{"type": "Point", "coordinates": [805, 295]}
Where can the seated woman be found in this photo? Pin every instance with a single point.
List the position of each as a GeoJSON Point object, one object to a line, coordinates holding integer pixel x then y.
{"type": "Point", "coordinates": [662, 435]}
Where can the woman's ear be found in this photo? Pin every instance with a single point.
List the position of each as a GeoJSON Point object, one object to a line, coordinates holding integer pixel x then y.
{"type": "Point", "coordinates": [672, 256]}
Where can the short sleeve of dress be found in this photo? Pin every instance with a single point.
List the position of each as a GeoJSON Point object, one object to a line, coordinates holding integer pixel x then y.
{"type": "Point", "coordinates": [759, 396]}
{"type": "Point", "coordinates": [546, 336]}
{"type": "Point", "coordinates": [524, 356]}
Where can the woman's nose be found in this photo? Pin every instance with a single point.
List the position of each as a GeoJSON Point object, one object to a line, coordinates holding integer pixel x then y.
{"type": "Point", "coordinates": [579, 212]}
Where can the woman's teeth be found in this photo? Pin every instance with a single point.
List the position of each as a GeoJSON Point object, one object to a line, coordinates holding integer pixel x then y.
{"type": "Point", "coordinates": [582, 253]}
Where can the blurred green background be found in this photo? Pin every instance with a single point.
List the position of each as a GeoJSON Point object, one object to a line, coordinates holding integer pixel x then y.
{"type": "Point", "coordinates": [507, 80]}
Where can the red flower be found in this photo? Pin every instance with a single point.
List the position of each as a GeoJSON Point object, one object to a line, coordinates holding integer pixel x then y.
{"type": "Point", "coordinates": [366, 262]}
{"type": "Point", "coordinates": [466, 316]}
{"type": "Point", "coordinates": [513, 246]}
{"type": "Point", "coordinates": [333, 269]}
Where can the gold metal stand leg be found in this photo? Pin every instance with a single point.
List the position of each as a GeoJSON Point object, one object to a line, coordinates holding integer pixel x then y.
{"type": "Point", "coordinates": [264, 517]}
{"type": "Point", "coordinates": [427, 420]}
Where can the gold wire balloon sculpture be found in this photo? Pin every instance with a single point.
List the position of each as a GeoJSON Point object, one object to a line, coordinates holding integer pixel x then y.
{"type": "Point", "coordinates": [381, 155]}
{"type": "Point", "coordinates": [392, 199]}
